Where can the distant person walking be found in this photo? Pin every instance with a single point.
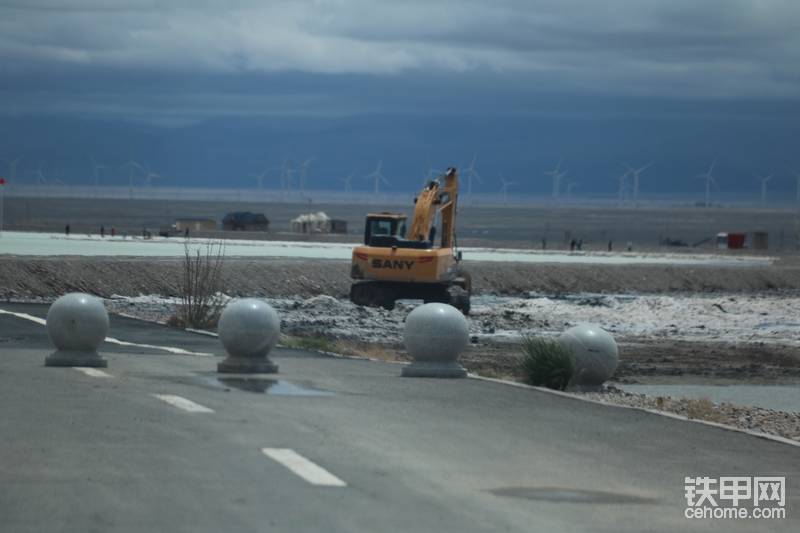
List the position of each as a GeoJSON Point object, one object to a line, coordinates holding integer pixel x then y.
{"type": "Point", "coordinates": [66, 230]}
{"type": "Point", "coordinates": [610, 245]}
{"type": "Point", "coordinates": [113, 231]}
{"type": "Point", "coordinates": [544, 243]}
{"type": "Point", "coordinates": [186, 233]}
{"type": "Point", "coordinates": [102, 231]}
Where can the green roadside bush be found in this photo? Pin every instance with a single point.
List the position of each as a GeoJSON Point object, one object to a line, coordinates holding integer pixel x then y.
{"type": "Point", "coordinates": [546, 363]}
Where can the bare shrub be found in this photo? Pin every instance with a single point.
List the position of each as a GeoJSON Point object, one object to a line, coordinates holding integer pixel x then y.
{"type": "Point", "coordinates": [200, 288]}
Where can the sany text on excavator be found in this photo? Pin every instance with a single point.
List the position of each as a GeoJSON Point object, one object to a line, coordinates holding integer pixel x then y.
{"type": "Point", "coordinates": [395, 263]}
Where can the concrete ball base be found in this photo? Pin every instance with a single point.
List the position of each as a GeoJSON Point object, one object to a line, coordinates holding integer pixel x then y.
{"type": "Point", "coordinates": [245, 365]}
{"type": "Point", "coordinates": [73, 358]}
{"type": "Point", "coordinates": [248, 329]}
{"type": "Point", "coordinates": [435, 335]}
{"type": "Point", "coordinates": [77, 324]}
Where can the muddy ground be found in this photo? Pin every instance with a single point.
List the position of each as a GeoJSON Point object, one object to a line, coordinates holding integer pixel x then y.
{"type": "Point", "coordinates": [697, 321]}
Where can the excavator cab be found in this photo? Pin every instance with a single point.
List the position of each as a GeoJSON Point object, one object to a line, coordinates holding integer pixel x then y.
{"type": "Point", "coordinates": [384, 227]}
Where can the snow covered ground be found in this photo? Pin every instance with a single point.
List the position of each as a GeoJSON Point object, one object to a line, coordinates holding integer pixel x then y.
{"type": "Point", "coordinates": [740, 318]}
{"type": "Point", "coordinates": [49, 244]}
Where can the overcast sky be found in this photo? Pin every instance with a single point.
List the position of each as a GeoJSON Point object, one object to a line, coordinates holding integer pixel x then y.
{"type": "Point", "coordinates": [180, 62]}
{"type": "Point", "coordinates": [215, 52]}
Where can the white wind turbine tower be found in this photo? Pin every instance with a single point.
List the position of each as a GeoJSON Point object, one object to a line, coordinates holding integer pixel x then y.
{"type": "Point", "coordinates": [286, 175]}
{"type": "Point", "coordinates": [504, 188]}
{"type": "Point", "coordinates": [378, 176]}
{"type": "Point", "coordinates": [304, 172]}
{"type": "Point", "coordinates": [132, 166]}
{"type": "Point", "coordinates": [708, 176]}
{"type": "Point", "coordinates": [764, 180]}
{"type": "Point", "coordinates": [260, 177]}
{"type": "Point", "coordinates": [797, 183]}
{"type": "Point", "coordinates": [96, 168]}
{"type": "Point", "coordinates": [12, 167]}
{"type": "Point", "coordinates": [622, 179]}
{"type": "Point", "coordinates": [636, 172]}
{"type": "Point", "coordinates": [348, 182]}
{"type": "Point", "coordinates": [470, 173]}
{"type": "Point", "coordinates": [557, 175]}
{"type": "Point", "coordinates": [40, 179]}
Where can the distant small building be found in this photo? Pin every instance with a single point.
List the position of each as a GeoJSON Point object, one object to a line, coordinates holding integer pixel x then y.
{"type": "Point", "coordinates": [194, 224]}
{"type": "Point", "coordinates": [245, 221]}
{"type": "Point", "coordinates": [318, 223]}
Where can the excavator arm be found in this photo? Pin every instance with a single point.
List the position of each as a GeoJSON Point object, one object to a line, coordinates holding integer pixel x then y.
{"type": "Point", "coordinates": [436, 195]}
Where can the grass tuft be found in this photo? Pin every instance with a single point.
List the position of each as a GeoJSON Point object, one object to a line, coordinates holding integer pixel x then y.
{"type": "Point", "coordinates": [546, 363]}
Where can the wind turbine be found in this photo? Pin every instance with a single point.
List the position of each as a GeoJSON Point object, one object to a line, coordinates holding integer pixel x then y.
{"type": "Point", "coordinates": [709, 180]}
{"type": "Point", "coordinates": [148, 178]}
{"type": "Point", "coordinates": [304, 172]}
{"type": "Point", "coordinates": [623, 187]}
{"type": "Point", "coordinates": [96, 168]}
{"type": "Point", "coordinates": [797, 182]}
{"type": "Point", "coordinates": [40, 179]}
{"type": "Point", "coordinates": [636, 172]}
{"type": "Point", "coordinates": [557, 175]}
{"type": "Point", "coordinates": [504, 188]}
{"type": "Point", "coordinates": [764, 180]}
{"type": "Point", "coordinates": [260, 177]}
{"type": "Point", "coordinates": [286, 174]}
{"type": "Point", "coordinates": [470, 173]}
{"type": "Point", "coordinates": [378, 176]}
{"type": "Point", "coordinates": [347, 182]}
{"type": "Point", "coordinates": [12, 167]}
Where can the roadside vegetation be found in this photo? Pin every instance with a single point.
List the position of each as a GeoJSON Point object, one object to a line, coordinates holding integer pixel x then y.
{"type": "Point", "coordinates": [546, 363]}
{"type": "Point", "coordinates": [201, 287]}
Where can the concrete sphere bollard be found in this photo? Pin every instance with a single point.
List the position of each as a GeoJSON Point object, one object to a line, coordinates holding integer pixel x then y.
{"type": "Point", "coordinates": [248, 329]}
{"type": "Point", "coordinates": [77, 323]}
{"type": "Point", "coordinates": [435, 335]}
{"type": "Point", "coordinates": [594, 352]}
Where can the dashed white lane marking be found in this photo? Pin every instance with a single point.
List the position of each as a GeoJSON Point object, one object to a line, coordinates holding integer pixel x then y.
{"type": "Point", "coordinates": [182, 403]}
{"type": "Point", "coordinates": [112, 340]}
{"type": "Point", "coordinates": [92, 372]}
{"type": "Point", "coordinates": [311, 472]}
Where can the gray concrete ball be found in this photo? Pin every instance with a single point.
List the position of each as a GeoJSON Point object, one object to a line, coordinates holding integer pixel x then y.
{"type": "Point", "coordinates": [77, 322]}
{"type": "Point", "coordinates": [436, 332]}
{"type": "Point", "coordinates": [249, 328]}
{"type": "Point", "coordinates": [594, 352]}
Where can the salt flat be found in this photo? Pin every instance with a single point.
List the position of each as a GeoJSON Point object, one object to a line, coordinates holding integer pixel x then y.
{"type": "Point", "coordinates": [53, 244]}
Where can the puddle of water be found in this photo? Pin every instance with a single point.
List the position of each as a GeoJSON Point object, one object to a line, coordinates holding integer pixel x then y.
{"type": "Point", "coordinates": [777, 397]}
{"type": "Point", "coordinates": [567, 495]}
{"type": "Point", "coordinates": [274, 387]}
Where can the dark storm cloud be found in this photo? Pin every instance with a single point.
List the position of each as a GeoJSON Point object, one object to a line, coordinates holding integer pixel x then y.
{"type": "Point", "coordinates": [113, 57]}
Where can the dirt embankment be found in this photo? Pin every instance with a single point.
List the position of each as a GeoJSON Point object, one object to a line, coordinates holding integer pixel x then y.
{"type": "Point", "coordinates": [24, 277]}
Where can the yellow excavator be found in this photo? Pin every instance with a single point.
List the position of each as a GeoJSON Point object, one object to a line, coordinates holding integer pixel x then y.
{"type": "Point", "coordinates": [396, 264]}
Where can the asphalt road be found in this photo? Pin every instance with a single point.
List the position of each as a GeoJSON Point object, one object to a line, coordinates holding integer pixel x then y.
{"type": "Point", "coordinates": [85, 452]}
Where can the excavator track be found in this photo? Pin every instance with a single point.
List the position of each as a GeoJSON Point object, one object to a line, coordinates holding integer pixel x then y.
{"type": "Point", "coordinates": [385, 293]}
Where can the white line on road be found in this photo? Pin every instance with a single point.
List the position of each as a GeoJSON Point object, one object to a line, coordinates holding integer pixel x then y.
{"type": "Point", "coordinates": [182, 403]}
{"type": "Point", "coordinates": [112, 340]}
{"type": "Point", "coordinates": [92, 372]}
{"type": "Point", "coordinates": [311, 472]}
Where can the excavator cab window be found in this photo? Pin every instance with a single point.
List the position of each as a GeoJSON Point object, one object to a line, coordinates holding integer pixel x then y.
{"type": "Point", "coordinates": [384, 229]}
